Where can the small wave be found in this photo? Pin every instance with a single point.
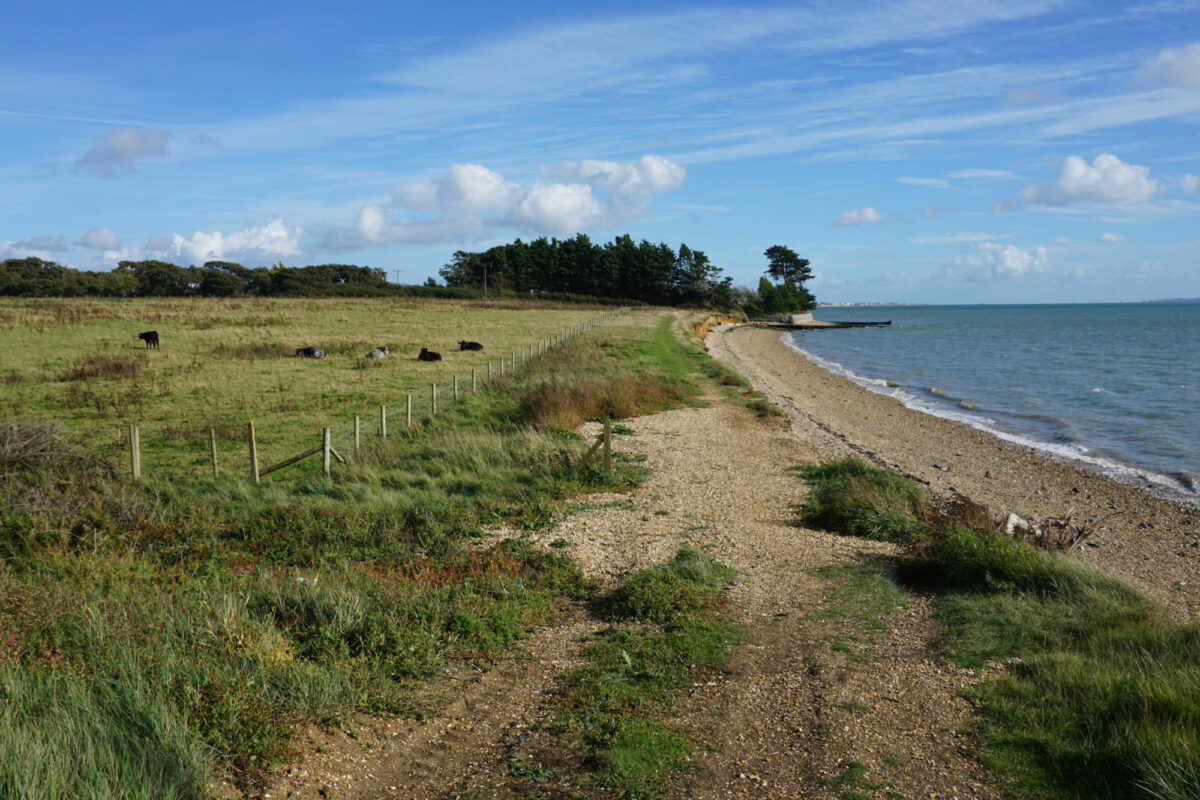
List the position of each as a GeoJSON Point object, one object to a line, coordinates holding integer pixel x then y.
{"type": "Point", "coordinates": [968, 405]}
{"type": "Point", "coordinates": [1100, 390]}
{"type": "Point", "coordinates": [936, 392]}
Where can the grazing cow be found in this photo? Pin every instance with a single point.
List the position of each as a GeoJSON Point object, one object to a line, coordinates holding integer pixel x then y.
{"type": "Point", "coordinates": [310, 352]}
{"type": "Point", "coordinates": [378, 352]}
{"type": "Point", "coordinates": [469, 346]}
{"type": "Point", "coordinates": [150, 338]}
{"type": "Point", "coordinates": [428, 355]}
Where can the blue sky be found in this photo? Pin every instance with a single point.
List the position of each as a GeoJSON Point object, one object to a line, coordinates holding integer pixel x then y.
{"type": "Point", "coordinates": [914, 151]}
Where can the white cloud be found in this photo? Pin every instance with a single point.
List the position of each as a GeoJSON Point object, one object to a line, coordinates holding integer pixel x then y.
{"type": "Point", "coordinates": [1111, 238]}
{"type": "Point", "coordinates": [929, 183]}
{"type": "Point", "coordinates": [101, 239]}
{"type": "Point", "coordinates": [464, 188]}
{"type": "Point", "coordinates": [261, 244]}
{"type": "Point", "coordinates": [559, 208]}
{"type": "Point", "coordinates": [860, 216]}
{"type": "Point", "coordinates": [1174, 67]}
{"type": "Point", "coordinates": [996, 261]}
{"type": "Point", "coordinates": [958, 238]}
{"type": "Point", "coordinates": [1189, 183]}
{"type": "Point", "coordinates": [1064, 240]}
{"type": "Point", "coordinates": [471, 200]}
{"type": "Point", "coordinates": [1106, 180]}
{"type": "Point", "coordinates": [43, 247]}
{"type": "Point", "coordinates": [115, 151]}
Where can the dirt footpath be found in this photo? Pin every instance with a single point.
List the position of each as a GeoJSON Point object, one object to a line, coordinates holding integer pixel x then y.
{"type": "Point", "coordinates": [812, 706]}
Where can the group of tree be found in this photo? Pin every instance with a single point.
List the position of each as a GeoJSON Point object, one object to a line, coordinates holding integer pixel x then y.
{"type": "Point", "coordinates": [640, 272]}
{"type": "Point", "coordinates": [33, 277]}
{"type": "Point", "coordinates": [621, 270]}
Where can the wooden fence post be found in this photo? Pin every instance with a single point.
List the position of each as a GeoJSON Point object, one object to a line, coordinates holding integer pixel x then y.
{"type": "Point", "coordinates": [212, 446]}
{"type": "Point", "coordinates": [607, 445]}
{"type": "Point", "coordinates": [456, 388]}
{"type": "Point", "coordinates": [325, 448]}
{"type": "Point", "coordinates": [489, 380]}
{"type": "Point", "coordinates": [408, 412]}
{"type": "Point", "coordinates": [383, 422]}
{"type": "Point", "coordinates": [474, 380]}
{"type": "Point", "coordinates": [253, 453]}
{"type": "Point", "coordinates": [501, 366]}
{"type": "Point", "coordinates": [135, 451]}
{"type": "Point", "coordinates": [357, 433]}
{"type": "Point", "coordinates": [434, 396]}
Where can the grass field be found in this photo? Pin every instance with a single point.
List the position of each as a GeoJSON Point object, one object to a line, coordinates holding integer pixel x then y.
{"type": "Point", "coordinates": [223, 363]}
{"type": "Point", "coordinates": [156, 633]}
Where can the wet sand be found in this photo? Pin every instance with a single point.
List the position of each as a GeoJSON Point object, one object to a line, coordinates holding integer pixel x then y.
{"type": "Point", "coordinates": [1149, 541]}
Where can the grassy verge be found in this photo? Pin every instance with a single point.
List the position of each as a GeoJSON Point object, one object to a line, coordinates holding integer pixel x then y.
{"type": "Point", "coordinates": [1096, 695]}
{"type": "Point", "coordinates": [668, 625]}
{"type": "Point", "coordinates": [185, 628]}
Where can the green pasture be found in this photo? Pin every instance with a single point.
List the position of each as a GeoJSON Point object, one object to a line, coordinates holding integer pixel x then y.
{"type": "Point", "coordinates": [225, 362]}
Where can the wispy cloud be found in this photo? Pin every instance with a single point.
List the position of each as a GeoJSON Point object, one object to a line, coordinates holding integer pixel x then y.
{"type": "Point", "coordinates": [115, 151]}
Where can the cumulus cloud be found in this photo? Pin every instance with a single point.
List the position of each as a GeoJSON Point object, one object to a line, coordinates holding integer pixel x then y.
{"type": "Point", "coordinates": [992, 261]}
{"type": "Point", "coordinates": [1111, 238]}
{"type": "Point", "coordinates": [1174, 67]}
{"type": "Point", "coordinates": [1064, 240]}
{"type": "Point", "coordinates": [860, 216]}
{"type": "Point", "coordinates": [471, 200]}
{"type": "Point", "coordinates": [1106, 180]}
{"type": "Point", "coordinates": [1189, 183]}
{"type": "Point", "coordinates": [43, 247]}
{"type": "Point", "coordinates": [101, 239]}
{"type": "Point", "coordinates": [115, 151]}
{"type": "Point", "coordinates": [258, 244]}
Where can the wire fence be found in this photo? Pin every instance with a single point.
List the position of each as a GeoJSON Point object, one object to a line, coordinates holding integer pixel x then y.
{"type": "Point", "coordinates": [405, 414]}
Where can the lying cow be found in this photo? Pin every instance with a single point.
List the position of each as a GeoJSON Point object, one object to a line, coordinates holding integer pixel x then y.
{"type": "Point", "coordinates": [428, 355]}
{"type": "Point", "coordinates": [310, 352]}
{"type": "Point", "coordinates": [469, 346]}
{"type": "Point", "coordinates": [378, 352]}
{"type": "Point", "coordinates": [150, 338]}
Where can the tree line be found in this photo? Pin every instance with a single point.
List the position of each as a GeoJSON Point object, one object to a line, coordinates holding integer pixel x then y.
{"type": "Point", "coordinates": [641, 272]}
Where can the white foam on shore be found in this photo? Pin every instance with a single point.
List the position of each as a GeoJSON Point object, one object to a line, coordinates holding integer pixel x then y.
{"type": "Point", "coordinates": [1075, 453]}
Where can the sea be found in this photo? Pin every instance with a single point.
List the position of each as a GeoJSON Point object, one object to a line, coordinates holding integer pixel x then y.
{"type": "Point", "coordinates": [1112, 387]}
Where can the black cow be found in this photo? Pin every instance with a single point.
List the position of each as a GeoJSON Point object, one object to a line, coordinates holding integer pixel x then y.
{"type": "Point", "coordinates": [428, 355]}
{"type": "Point", "coordinates": [150, 338]}
{"type": "Point", "coordinates": [469, 346]}
{"type": "Point", "coordinates": [310, 352]}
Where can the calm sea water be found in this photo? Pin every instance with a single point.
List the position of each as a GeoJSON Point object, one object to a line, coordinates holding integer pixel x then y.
{"type": "Point", "coordinates": [1114, 386]}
